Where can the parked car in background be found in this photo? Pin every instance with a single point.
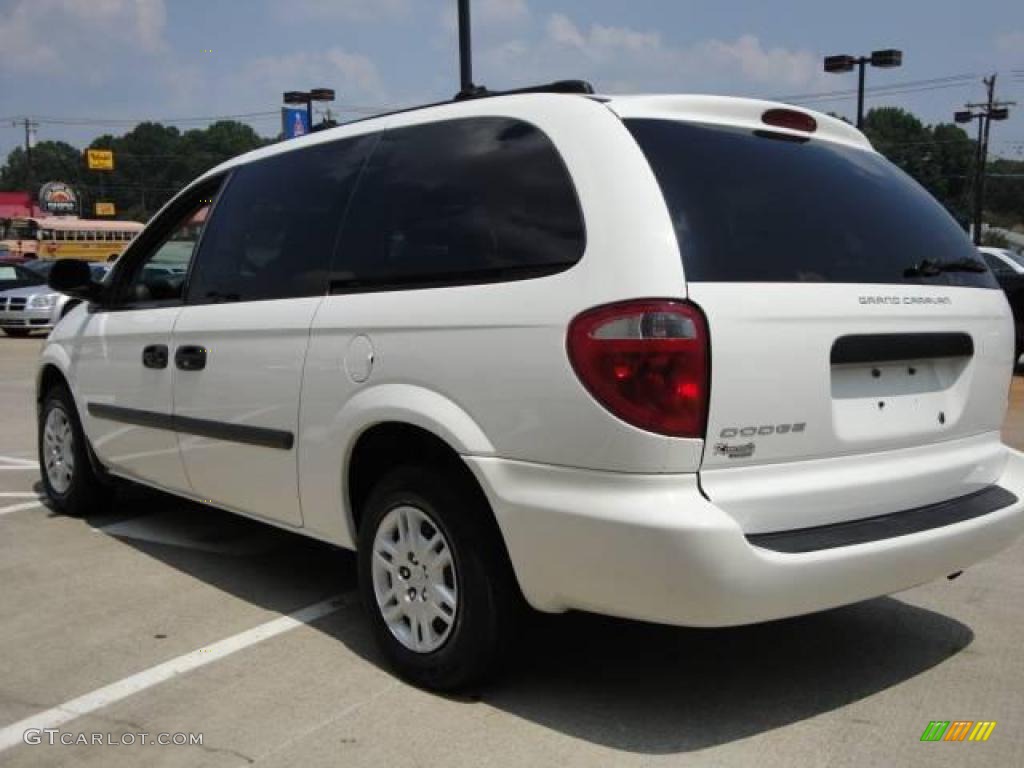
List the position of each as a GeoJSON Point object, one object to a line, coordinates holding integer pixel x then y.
{"type": "Point", "coordinates": [1008, 268]}
{"type": "Point", "coordinates": [14, 274]}
{"type": "Point", "coordinates": [29, 304]}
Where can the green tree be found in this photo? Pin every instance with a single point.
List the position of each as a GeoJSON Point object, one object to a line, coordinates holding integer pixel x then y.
{"type": "Point", "coordinates": [151, 163]}
{"type": "Point", "coordinates": [51, 161]}
{"type": "Point", "coordinates": [940, 158]}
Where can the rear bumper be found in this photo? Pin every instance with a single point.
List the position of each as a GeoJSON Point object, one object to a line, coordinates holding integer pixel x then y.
{"type": "Point", "coordinates": [651, 547]}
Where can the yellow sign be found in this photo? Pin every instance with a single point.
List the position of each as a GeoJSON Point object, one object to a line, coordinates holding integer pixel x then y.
{"type": "Point", "coordinates": [99, 159]}
{"type": "Point", "coordinates": [105, 209]}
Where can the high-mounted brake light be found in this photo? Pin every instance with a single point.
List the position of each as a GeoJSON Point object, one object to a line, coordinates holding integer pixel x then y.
{"type": "Point", "coordinates": [791, 119]}
{"type": "Point", "coordinates": [646, 362]}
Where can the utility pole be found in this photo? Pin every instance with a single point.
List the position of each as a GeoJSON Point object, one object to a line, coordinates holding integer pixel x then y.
{"type": "Point", "coordinates": [30, 141]}
{"type": "Point", "coordinates": [984, 113]}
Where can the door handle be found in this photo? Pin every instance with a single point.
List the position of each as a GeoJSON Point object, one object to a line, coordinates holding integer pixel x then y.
{"type": "Point", "coordinates": [190, 358]}
{"type": "Point", "coordinates": [155, 356]}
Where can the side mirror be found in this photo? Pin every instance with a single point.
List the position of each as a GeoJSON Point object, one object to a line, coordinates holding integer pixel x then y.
{"type": "Point", "coordinates": [74, 278]}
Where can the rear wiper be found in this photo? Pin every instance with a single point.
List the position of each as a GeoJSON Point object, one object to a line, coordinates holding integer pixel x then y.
{"type": "Point", "coordinates": [929, 268]}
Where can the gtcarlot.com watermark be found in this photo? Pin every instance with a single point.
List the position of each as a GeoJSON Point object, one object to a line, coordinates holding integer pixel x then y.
{"type": "Point", "coordinates": [55, 737]}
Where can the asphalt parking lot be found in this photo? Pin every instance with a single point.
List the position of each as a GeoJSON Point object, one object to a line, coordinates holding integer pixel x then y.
{"type": "Point", "coordinates": [165, 617]}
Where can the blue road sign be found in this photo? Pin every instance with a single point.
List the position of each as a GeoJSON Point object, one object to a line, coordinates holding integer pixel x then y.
{"type": "Point", "coordinates": [294, 122]}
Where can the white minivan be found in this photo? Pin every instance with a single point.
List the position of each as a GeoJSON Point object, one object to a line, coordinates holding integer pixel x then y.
{"type": "Point", "coordinates": [685, 359]}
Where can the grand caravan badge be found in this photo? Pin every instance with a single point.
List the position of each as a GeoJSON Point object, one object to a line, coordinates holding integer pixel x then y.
{"type": "Point", "coordinates": [904, 300]}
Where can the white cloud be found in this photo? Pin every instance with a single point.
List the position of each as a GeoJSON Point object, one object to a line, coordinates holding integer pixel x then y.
{"type": "Point", "coordinates": [1011, 44]}
{"type": "Point", "coordinates": [487, 14]}
{"type": "Point", "coordinates": [624, 58]}
{"type": "Point", "coordinates": [758, 64]}
{"type": "Point", "coordinates": [353, 75]}
{"type": "Point", "coordinates": [57, 36]}
{"type": "Point", "coordinates": [501, 11]}
{"type": "Point", "coordinates": [562, 31]}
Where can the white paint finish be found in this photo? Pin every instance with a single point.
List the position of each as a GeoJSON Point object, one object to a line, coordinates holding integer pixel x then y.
{"type": "Point", "coordinates": [12, 735]}
{"type": "Point", "coordinates": [804, 494]}
{"type": "Point", "coordinates": [359, 359]}
{"type": "Point", "coordinates": [253, 375]}
{"type": "Point", "coordinates": [107, 368]}
{"type": "Point", "coordinates": [770, 365]}
{"type": "Point", "coordinates": [651, 547]}
{"type": "Point", "coordinates": [739, 113]}
{"type": "Point", "coordinates": [20, 507]}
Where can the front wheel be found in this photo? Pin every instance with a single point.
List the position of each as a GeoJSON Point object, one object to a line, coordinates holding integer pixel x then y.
{"type": "Point", "coordinates": [435, 579]}
{"type": "Point", "coordinates": [67, 473]}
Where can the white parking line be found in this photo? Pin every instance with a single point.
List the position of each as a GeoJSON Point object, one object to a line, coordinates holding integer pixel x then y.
{"type": "Point", "coordinates": [52, 718]}
{"type": "Point", "coordinates": [19, 507]}
{"type": "Point", "coordinates": [19, 462]}
{"type": "Point", "coordinates": [19, 495]}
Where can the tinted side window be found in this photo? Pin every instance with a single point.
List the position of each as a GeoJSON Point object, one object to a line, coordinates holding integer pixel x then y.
{"type": "Point", "coordinates": [460, 201]}
{"type": "Point", "coordinates": [275, 226]}
{"type": "Point", "coordinates": [153, 272]}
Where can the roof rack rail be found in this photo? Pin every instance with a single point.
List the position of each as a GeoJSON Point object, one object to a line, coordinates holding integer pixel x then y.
{"type": "Point", "coordinates": [559, 86]}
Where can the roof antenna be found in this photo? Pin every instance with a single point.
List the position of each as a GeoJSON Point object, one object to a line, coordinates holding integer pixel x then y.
{"type": "Point", "coordinates": [467, 89]}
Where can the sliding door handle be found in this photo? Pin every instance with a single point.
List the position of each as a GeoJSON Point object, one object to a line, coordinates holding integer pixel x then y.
{"type": "Point", "coordinates": [155, 356]}
{"type": "Point", "coordinates": [190, 358]}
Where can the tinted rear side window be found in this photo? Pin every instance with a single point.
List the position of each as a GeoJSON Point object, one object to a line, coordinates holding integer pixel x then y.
{"type": "Point", "coordinates": [460, 201]}
{"type": "Point", "coordinates": [747, 207]}
{"type": "Point", "coordinates": [274, 228]}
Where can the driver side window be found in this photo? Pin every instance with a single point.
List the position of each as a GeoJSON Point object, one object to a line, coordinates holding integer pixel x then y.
{"type": "Point", "coordinates": [158, 278]}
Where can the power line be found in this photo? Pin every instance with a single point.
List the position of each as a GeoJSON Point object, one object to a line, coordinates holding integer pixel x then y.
{"type": "Point", "coordinates": [961, 78]}
{"type": "Point", "coordinates": [891, 92]}
{"type": "Point", "coordinates": [130, 121]}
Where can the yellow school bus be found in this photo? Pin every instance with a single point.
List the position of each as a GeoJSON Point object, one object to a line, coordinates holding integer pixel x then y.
{"type": "Point", "coordinates": [67, 237]}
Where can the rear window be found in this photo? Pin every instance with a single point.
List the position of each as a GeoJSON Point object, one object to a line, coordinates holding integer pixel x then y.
{"type": "Point", "coordinates": [747, 207]}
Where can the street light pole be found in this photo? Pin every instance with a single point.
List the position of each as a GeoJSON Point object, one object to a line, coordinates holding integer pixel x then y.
{"type": "Point", "coordinates": [885, 59]}
{"type": "Point", "coordinates": [861, 65]}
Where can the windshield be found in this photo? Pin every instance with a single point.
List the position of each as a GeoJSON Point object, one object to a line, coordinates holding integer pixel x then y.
{"type": "Point", "coordinates": [1013, 256]}
{"type": "Point", "coordinates": [21, 229]}
{"type": "Point", "coordinates": [753, 207]}
{"type": "Point", "coordinates": [15, 274]}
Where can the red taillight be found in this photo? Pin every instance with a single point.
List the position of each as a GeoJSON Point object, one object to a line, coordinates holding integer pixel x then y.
{"type": "Point", "coordinates": [791, 119]}
{"type": "Point", "coordinates": [646, 362]}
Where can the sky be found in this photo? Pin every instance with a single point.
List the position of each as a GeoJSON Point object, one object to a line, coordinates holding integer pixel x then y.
{"type": "Point", "coordinates": [87, 67]}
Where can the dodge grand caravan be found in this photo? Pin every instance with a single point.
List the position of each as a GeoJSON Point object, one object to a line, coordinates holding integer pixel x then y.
{"type": "Point", "coordinates": [683, 359]}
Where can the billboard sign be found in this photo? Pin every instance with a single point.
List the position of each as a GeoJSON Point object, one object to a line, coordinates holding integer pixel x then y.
{"type": "Point", "coordinates": [105, 209]}
{"type": "Point", "coordinates": [99, 159]}
{"type": "Point", "coordinates": [58, 198]}
{"type": "Point", "coordinates": [294, 122]}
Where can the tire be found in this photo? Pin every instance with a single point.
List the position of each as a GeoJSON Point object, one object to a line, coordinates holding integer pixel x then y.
{"type": "Point", "coordinates": [487, 606]}
{"type": "Point", "coordinates": [78, 490]}
{"type": "Point", "coordinates": [17, 333]}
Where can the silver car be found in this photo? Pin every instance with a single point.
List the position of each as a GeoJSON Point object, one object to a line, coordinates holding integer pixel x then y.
{"type": "Point", "coordinates": [33, 305]}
